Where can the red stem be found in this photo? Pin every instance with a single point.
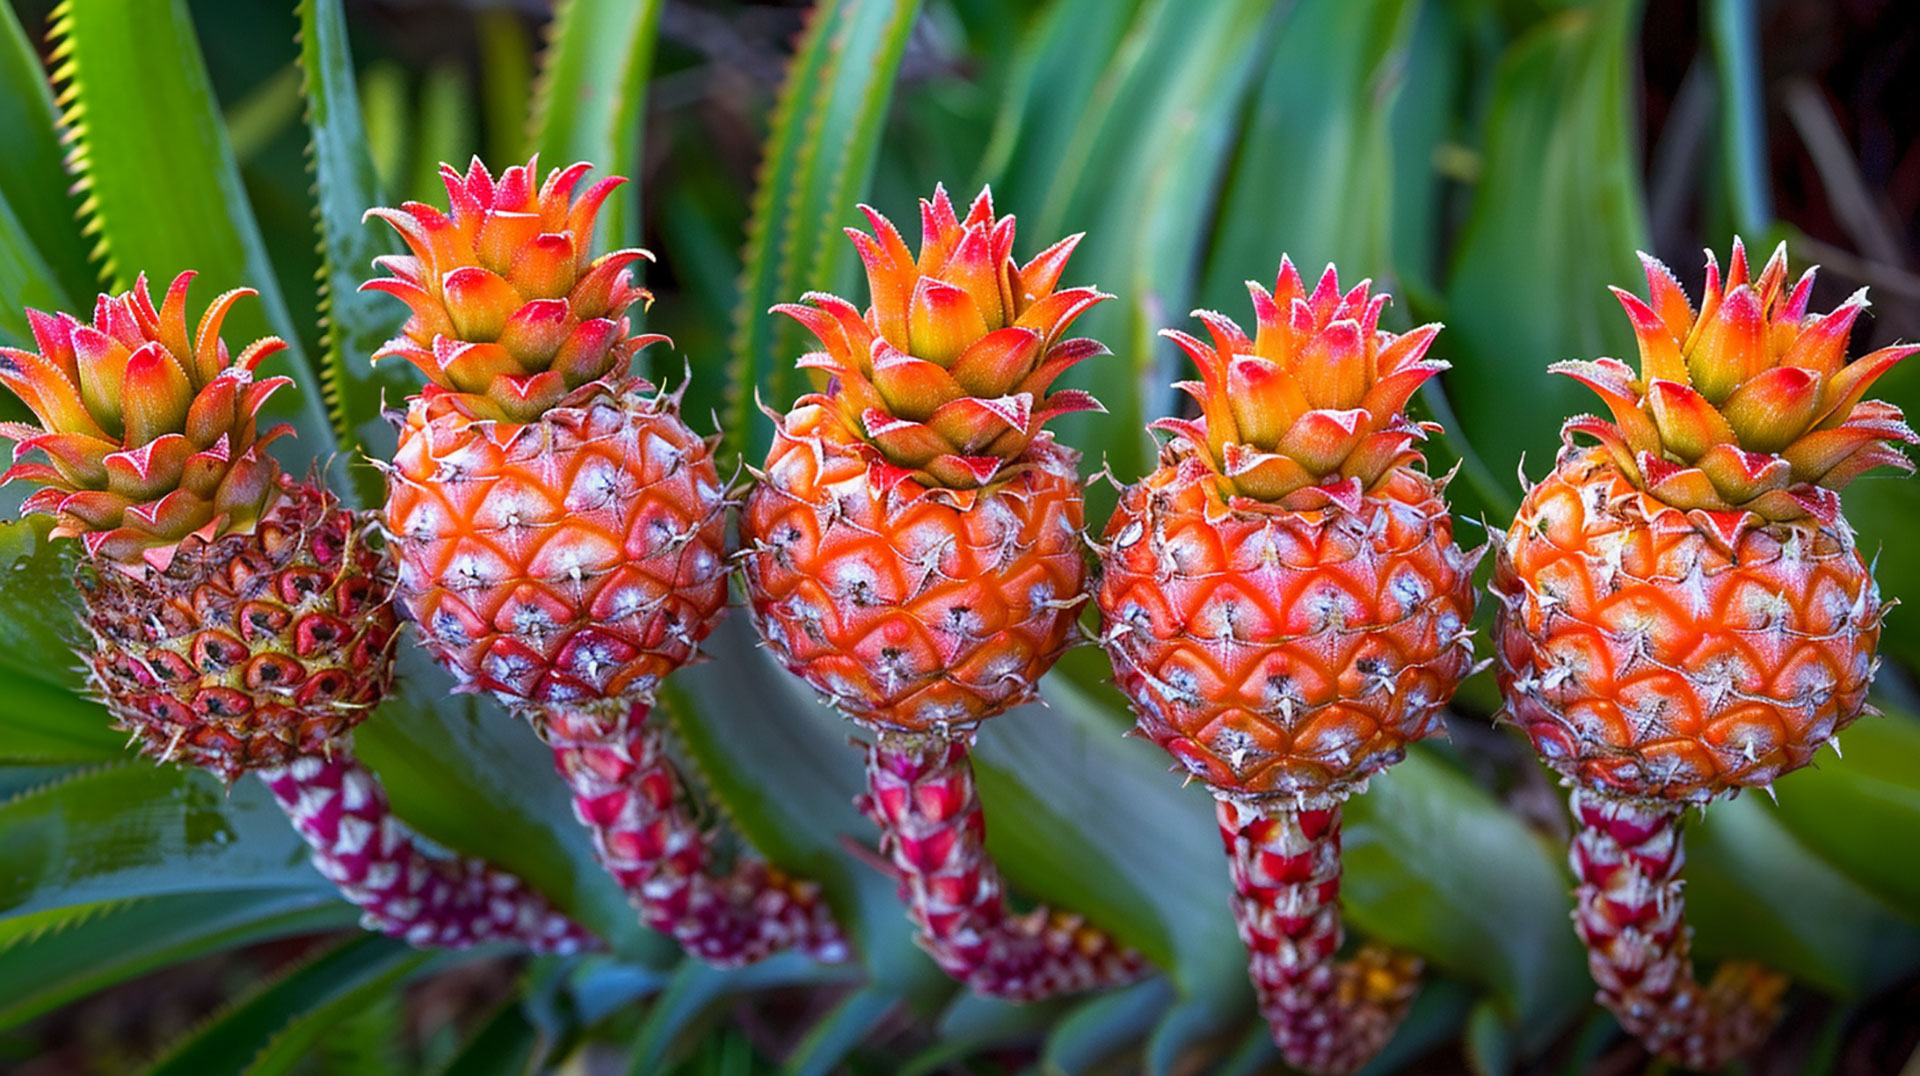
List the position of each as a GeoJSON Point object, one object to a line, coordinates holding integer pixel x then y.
{"type": "Point", "coordinates": [444, 902]}
{"type": "Point", "coordinates": [627, 792]}
{"type": "Point", "coordinates": [1632, 916]}
{"type": "Point", "coordinates": [1327, 1016]}
{"type": "Point", "coordinates": [920, 791]}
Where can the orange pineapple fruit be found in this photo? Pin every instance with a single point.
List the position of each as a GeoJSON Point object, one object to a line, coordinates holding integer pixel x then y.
{"type": "Point", "coordinates": [913, 551]}
{"type": "Point", "coordinates": [1683, 612]}
{"type": "Point", "coordinates": [240, 620]}
{"type": "Point", "coordinates": [560, 531]}
{"type": "Point", "coordinates": [1286, 608]}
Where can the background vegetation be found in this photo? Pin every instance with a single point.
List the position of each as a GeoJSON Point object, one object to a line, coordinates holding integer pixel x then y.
{"type": "Point", "coordinates": [1495, 163]}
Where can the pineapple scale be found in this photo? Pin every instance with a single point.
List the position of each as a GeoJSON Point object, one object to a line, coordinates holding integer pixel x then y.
{"type": "Point", "coordinates": [904, 609]}
{"type": "Point", "coordinates": [569, 560]}
{"type": "Point", "coordinates": [1285, 654]}
{"type": "Point", "coordinates": [1644, 659]}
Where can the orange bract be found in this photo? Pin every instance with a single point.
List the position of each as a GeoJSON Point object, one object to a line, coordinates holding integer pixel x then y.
{"type": "Point", "coordinates": [512, 311]}
{"type": "Point", "coordinates": [1747, 410]}
{"type": "Point", "coordinates": [149, 435]}
{"type": "Point", "coordinates": [1311, 409]}
{"type": "Point", "coordinates": [947, 374]}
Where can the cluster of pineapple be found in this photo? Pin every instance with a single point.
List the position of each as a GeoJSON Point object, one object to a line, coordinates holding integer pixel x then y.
{"type": "Point", "coordinates": [1681, 609]}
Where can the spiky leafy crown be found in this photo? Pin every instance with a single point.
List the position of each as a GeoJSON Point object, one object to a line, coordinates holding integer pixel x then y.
{"type": "Point", "coordinates": [512, 312]}
{"type": "Point", "coordinates": [1311, 410]}
{"type": "Point", "coordinates": [1748, 409]}
{"type": "Point", "coordinates": [147, 435]}
{"type": "Point", "coordinates": [946, 375]}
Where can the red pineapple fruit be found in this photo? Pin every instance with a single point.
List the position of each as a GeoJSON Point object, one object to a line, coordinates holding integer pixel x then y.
{"type": "Point", "coordinates": [913, 551]}
{"type": "Point", "coordinates": [239, 620]}
{"type": "Point", "coordinates": [1286, 607]}
{"type": "Point", "coordinates": [560, 531]}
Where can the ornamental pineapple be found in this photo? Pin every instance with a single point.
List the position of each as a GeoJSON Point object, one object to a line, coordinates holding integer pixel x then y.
{"type": "Point", "coordinates": [913, 551]}
{"type": "Point", "coordinates": [1286, 608]}
{"type": "Point", "coordinates": [239, 620]}
{"type": "Point", "coordinates": [1683, 612]}
{"type": "Point", "coordinates": [560, 531]}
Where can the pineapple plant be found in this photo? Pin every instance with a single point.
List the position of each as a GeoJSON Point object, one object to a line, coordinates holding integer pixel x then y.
{"type": "Point", "coordinates": [237, 620]}
{"type": "Point", "coordinates": [912, 550]}
{"type": "Point", "coordinates": [1286, 608]}
{"type": "Point", "coordinates": [560, 531]}
{"type": "Point", "coordinates": [1684, 613]}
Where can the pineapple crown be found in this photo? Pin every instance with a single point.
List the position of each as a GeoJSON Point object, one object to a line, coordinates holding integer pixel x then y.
{"type": "Point", "coordinates": [1749, 409]}
{"type": "Point", "coordinates": [946, 375]}
{"type": "Point", "coordinates": [1310, 412]}
{"type": "Point", "coordinates": [147, 436]}
{"type": "Point", "coordinates": [512, 312]}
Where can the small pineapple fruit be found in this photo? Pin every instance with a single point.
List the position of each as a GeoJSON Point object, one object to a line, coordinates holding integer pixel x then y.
{"type": "Point", "coordinates": [913, 551]}
{"type": "Point", "coordinates": [239, 619]}
{"type": "Point", "coordinates": [560, 531]}
{"type": "Point", "coordinates": [1683, 612]}
{"type": "Point", "coordinates": [1286, 607]}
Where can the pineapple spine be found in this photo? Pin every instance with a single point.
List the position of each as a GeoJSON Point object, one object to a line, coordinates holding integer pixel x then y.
{"type": "Point", "coordinates": [1627, 854]}
{"type": "Point", "coordinates": [1327, 1016]}
{"type": "Point", "coordinates": [920, 791]}
{"type": "Point", "coordinates": [341, 811]}
{"type": "Point", "coordinates": [627, 792]}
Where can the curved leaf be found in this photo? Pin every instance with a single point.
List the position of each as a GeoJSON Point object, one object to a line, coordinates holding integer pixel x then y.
{"type": "Point", "coordinates": [270, 1031]}
{"type": "Point", "coordinates": [1556, 217]}
{"type": "Point", "coordinates": [134, 829]}
{"type": "Point", "coordinates": [162, 191]}
{"type": "Point", "coordinates": [819, 157]}
{"type": "Point", "coordinates": [346, 184]}
{"type": "Point", "coordinates": [1754, 890]}
{"type": "Point", "coordinates": [591, 94]}
{"type": "Point", "coordinates": [1850, 811]}
{"type": "Point", "coordinates": [57, 956]}
{"type": "Point", "coordinates": [35, 182]}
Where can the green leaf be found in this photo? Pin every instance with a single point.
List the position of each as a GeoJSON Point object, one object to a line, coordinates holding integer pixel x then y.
{"type": "Point", "coordinates": [27, 282]}
{"type": "Point", "coordinates": [1755, 890]}
{"type": "Point", "coordinates": [1850, 811]}
{"type": "Point", "coordinates": [346, 185]}
{"type": "Point", "coordinates": [135, 829]}
{"type": "Point", "coordinates": [1435, 865]}
{"type": "Point", "coordinates": [779, 764]}
{"type": "Point", "coordinates": [1732, 28]}
{"type": "Point", "coordinates": [590, 98]}
{"type": "Point", "coordinates": [1139, 176]}
{"type": "Point", "coordinates": [43, 716]}
{"type": "Point", "coordinates": [34, 183]}
{"type": "Point", "coordinates": [444, 133]}
{"type": "Point", "coordinates": [846, 1026]}
{"type": "Point", "coordinates": [506, 1045]}
{"type": "Point", "coordinates": [162, 191]}
{"type": "Point", "coordinates": [819, 158]}
{"type": "Point", "coordinates": [58, 956]}
{"type": "Point", "coordinates": [472, 777]}
{"type": "Point", "coordinates": [270, 1031]}
{"type": "Point", "coordinates": [1556, 218]}
{"type": "Point", "coordinates": [697, 987]}
{"type": "Point", "coordinates": [506, 82]}
{"type": "Point", "coordinates": [1316, 162]}
{"type": "Point", "coordinates": [1101, 1026]}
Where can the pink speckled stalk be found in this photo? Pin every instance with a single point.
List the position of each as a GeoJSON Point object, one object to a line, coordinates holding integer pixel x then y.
{"type": "Point", "coordinates": [1328, 1016]}
{"type": "Point", "coordinates": [920, 791]}
{"type": "Point", "coordinates": [440, 902]}
{"type": "Point", "coordinates": [1628, 854]}
{"type": "Point", "coordinates": [627, 792]}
